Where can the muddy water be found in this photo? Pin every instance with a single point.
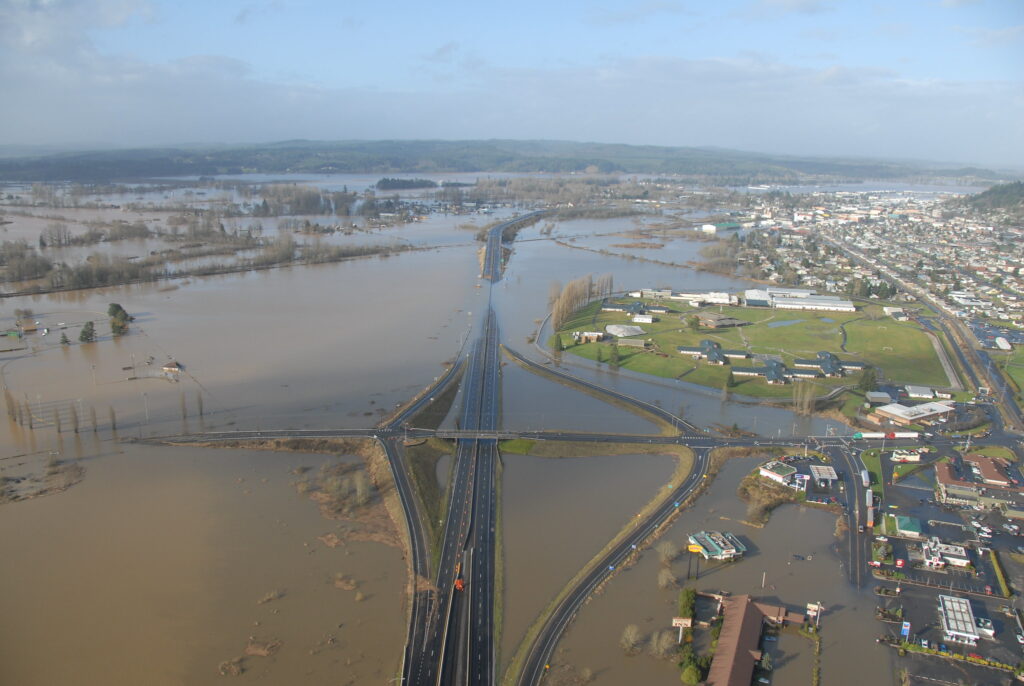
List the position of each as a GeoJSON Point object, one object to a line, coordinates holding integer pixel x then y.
{"type": "Point", "coordinates": [152, 569]}
{"type": "Point", "coordinates": [849, 655]}
{"type": "Point", "coordinates": [557, 514]}
{"type": "Point", "coordinates": [521, 298]}
{"type": "Point", "coordinates": [328, 346]}
{"type": "Point", "coordinates": [533, 403]}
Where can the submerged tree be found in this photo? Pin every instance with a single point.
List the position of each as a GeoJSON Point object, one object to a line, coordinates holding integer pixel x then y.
{"type": "Point", "coordinates": [88, 334]}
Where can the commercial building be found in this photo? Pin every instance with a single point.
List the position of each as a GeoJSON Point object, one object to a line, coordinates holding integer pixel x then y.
{"type": "Point", "coordinates": [587, 336]}
{"type": "Point", "coordinates": [957, 620]}
{"type": "Point", "coordinates": [774, 372]}
{"type": "Point", "coordinates": [737, 652]}
{"type": "Point", "coordinates": [779, 472]}
{"type": "Point", "coordinates": [908, 527]}
{"type": "Point", "coordinates": [628, 308]}
{"type": "Point", "coordinates": [972, 490]}
{"type": "Point", "coordinates": [828, 364]}
{"type": "Point", "coordinates": [937, 554]}
{"type": "Point", "coordinates": [991, 471]}
{"type": "Point", "coordinates": [795, 299]}
{"type": "Point", "coordinates": [712, 351]}
{"type": "Point", "coordinates": [623, 330]}
{"type": "Point", "coordinates": [824, 475]}
{"type": "Point", "coordinates": [906, 456]}
{"type": "Point", "coordinates": [823, 303]}
{"type": "Point", "coordinates": [632, 343]}
{"type": "Point", "coordinates": [920, 392]}
{"type": "Point", "coordinates": [904, 415]}
{"type": "Point", "coordinates": [717, 545]}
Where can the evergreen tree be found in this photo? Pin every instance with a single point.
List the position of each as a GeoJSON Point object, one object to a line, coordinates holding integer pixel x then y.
{"type": "Point", "coordinates": [867, 381]}
{"type": "Point", "coordinates": [88, 334]}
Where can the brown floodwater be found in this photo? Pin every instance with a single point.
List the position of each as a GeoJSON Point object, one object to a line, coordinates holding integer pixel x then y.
{"type": "Point", "coordinates": [151, 571]}
{"type": "Point", "coordinates": [331, 346]}
{"type": "Point", "coordinates": [530, 402]}
{"type": "Point", "coordinates": [559, 513]}
{"type": "Point", "coordinates": [849, 654]}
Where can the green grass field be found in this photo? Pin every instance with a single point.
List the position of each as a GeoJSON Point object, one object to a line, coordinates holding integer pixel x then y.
{"type": "Point", "coordinates": [1012, 363]}
{"type": "Point", "coordinates": [995, 451]}
{"type": "Point", "coordinates": [904, 352]}
{"type": "Point", "coordinates": [873, 463]}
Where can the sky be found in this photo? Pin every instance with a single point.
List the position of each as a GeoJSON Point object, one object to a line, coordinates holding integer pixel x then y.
{"type": "Point", "coordinates": [935, 80]}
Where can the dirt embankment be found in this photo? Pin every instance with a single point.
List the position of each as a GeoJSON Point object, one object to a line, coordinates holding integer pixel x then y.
{"type": "Point", "coordinates": [762, 496]}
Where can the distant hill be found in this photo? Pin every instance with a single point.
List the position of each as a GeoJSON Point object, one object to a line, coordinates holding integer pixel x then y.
{"type": "Point", "coordinates": [1006, 196]}
{"type": "Point", "coordinates": [391, 157]}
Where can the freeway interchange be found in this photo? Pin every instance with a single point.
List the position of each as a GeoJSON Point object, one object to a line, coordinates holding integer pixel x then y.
{"type": "Point", "coordinates": [451, 630]}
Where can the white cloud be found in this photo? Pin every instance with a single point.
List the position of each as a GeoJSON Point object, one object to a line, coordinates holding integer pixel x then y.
{"type": "Point", "coordinates": [57, 94]}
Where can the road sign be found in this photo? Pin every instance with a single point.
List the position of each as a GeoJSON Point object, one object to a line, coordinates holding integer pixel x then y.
{"type": "Point", "coordinates": [684, 622]}
{"type": "Point", "coordinates": [905, 631]}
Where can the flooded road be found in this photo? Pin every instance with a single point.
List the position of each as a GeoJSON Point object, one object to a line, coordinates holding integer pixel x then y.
{"type": "Point", "coordinates": [158, 560]}
{"type": "Point", "coordinates": [557, 514]}
{"type": "Point", "coordinates": [849, 654]}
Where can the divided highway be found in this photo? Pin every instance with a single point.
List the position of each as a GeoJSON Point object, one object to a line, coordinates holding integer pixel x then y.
{"type": "Point", "coordinates": [450, 637]}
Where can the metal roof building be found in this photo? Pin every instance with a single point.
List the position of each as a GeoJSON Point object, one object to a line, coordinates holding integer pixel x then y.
{"type": "Point", "coordinates": [717, 545]}
{"type": "Point", "coordinates": [957, 620]}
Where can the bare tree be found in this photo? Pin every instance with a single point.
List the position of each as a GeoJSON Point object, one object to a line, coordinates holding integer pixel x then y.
{"type": "Point", "coordinates": [631, 639]}
{"type": "Point", "coordinates": [667, 551]}
{"type": "Point", "coordinates": [362, 485]}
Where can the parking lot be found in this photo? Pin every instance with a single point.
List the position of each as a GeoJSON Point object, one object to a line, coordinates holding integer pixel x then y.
{"type": "Point", "coordinates": [978, 532]}
{"type": "Point", "coordinates": [920, 608]}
